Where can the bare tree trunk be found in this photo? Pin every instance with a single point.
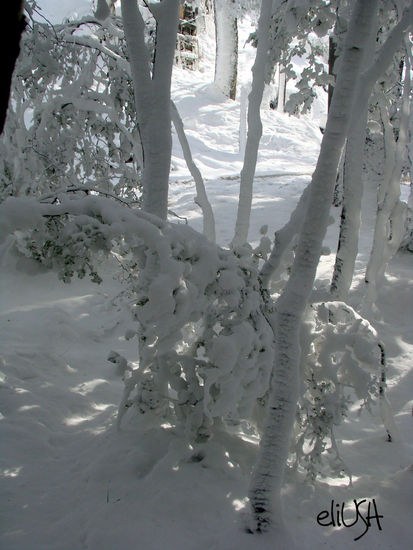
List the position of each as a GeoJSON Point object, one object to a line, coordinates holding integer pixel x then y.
{"type": "Point", "coordinates": [226, 59]}
{"type": "Point", "coordinates": [102, 11]}
{"type": "Point", "coordinates": [351, 209]}
{"type": "Point", "coordinates": [153, 97]}
{"type": "Point", "coordinates": [352, 181]}
{"type": "Point", "coordinates": [201, 198]}
{"type": "Point", "coordinates": [282, 90]}
{"type": "Point", "coordinates": [254, 126]}
{"type": "Point", "coordinates": [391, 212]}
{"type": "Point", "coordinates": [332, 47]}
{"type": "Point", "coordinates": [265, 488]}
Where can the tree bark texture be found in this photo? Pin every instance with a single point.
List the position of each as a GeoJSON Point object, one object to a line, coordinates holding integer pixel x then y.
{"type": "Point", "coordinates": [352, 181]}
{"type": "Point", "coordinates": [226, 59]}
{"type": "Point", "coordinates": [266, 482]}
{"type": "Point", "coordinates": [254, 132]}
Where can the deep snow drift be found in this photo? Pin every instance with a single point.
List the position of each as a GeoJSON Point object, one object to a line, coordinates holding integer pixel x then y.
{"type": "Point", "coordinates": [71, 481]}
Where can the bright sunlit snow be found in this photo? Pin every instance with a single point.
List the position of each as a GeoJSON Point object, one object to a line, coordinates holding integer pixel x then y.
{"type": "Point", "coordinates": [71, 481]}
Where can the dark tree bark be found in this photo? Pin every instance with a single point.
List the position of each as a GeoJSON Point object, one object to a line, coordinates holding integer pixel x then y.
{"type": "Point", "coordinates": [332, 56]}
{"type": "Point", "coordinates": [10, 43]}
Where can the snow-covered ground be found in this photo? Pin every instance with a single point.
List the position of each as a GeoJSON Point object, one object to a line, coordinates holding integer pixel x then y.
{"type": "Point", "coordinates": [71, 481]}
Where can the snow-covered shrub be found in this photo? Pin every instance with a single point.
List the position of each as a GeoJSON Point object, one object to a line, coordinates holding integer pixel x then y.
{"type": "Point", "coordinates": [68, 245]}
{"type": "Point", "coordinates": [341, 363]}
{"type": "Point", "coordinates": [205, 347]}
{"type": "Point", "coordinates": [206, 350]}
{"type": "Point", "coordinates": [71, 119]}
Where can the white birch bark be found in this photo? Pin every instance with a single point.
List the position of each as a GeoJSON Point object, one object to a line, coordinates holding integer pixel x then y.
{"type": "Point", "coordinates": [243, 106]}
{"type": "Point", "coordinates": [226, 59]}
{"type": "Point", "coordinates": [254, 126]}
{"type": "Point", "coordinates": [153, 96]}
{"type": "Point", "coordinates": [267, 477]}
{"type": "Point", "coordinates": [201, 198]}
{"type": "Point", "coordinates": [391, 212]}
{"type": "Point", "coordinates": [352, 181]}
{"type": "Point", "coordinates": [347, 248]}
{"type": "Point", "coordinates": [282, 88]}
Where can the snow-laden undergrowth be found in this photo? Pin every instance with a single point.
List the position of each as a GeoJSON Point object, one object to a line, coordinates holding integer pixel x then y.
{"type": "Point", "coordinates": [72, 481]}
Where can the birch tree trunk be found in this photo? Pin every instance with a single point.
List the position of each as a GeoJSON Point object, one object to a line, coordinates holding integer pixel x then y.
{"type": "Point", "coordinates": [282, 89]}
{"type": "Point", "coordinates": [254, 126]}
{"type": "Point", "coordinates": [391, 212]}
{"type": "Point", "coordinates": [267, 477]}
{"type": "Point", "coordinates": [201, 198]}
{"type": "Point", "coordinates": [226, 59]}
{"type": "Point", "coordinates": [347, 248]}
{"type": "Point", "coordinates": [153, 96]}
{"type": "Point", "coordinates": [352, 181]}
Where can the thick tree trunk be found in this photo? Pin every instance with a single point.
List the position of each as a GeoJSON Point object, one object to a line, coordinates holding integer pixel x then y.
{"type": "Point", "coordinates": [153, 97]}
{"type": "Point", "coordinates": [226, 59]}
{"type": "Point", "coordinates": [267, 478]}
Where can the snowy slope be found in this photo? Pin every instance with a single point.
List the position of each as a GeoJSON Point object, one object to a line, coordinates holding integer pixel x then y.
{"type": "Point", "coordinates": [71, 481]}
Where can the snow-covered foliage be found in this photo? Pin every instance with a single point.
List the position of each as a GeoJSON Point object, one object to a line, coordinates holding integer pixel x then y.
{"type": "Point", "coordinates": [299, 30]}
{"type": "Point", "coordinates": [72, 120]}
{"type": "Point", "coordinates": [206, 348]}
{"type": "Point", "coordinates": [205, 345]}
{"type": "Point", "coordinates": [214, 348]}
{"type": "Point", "coordinates": [340, 363]}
